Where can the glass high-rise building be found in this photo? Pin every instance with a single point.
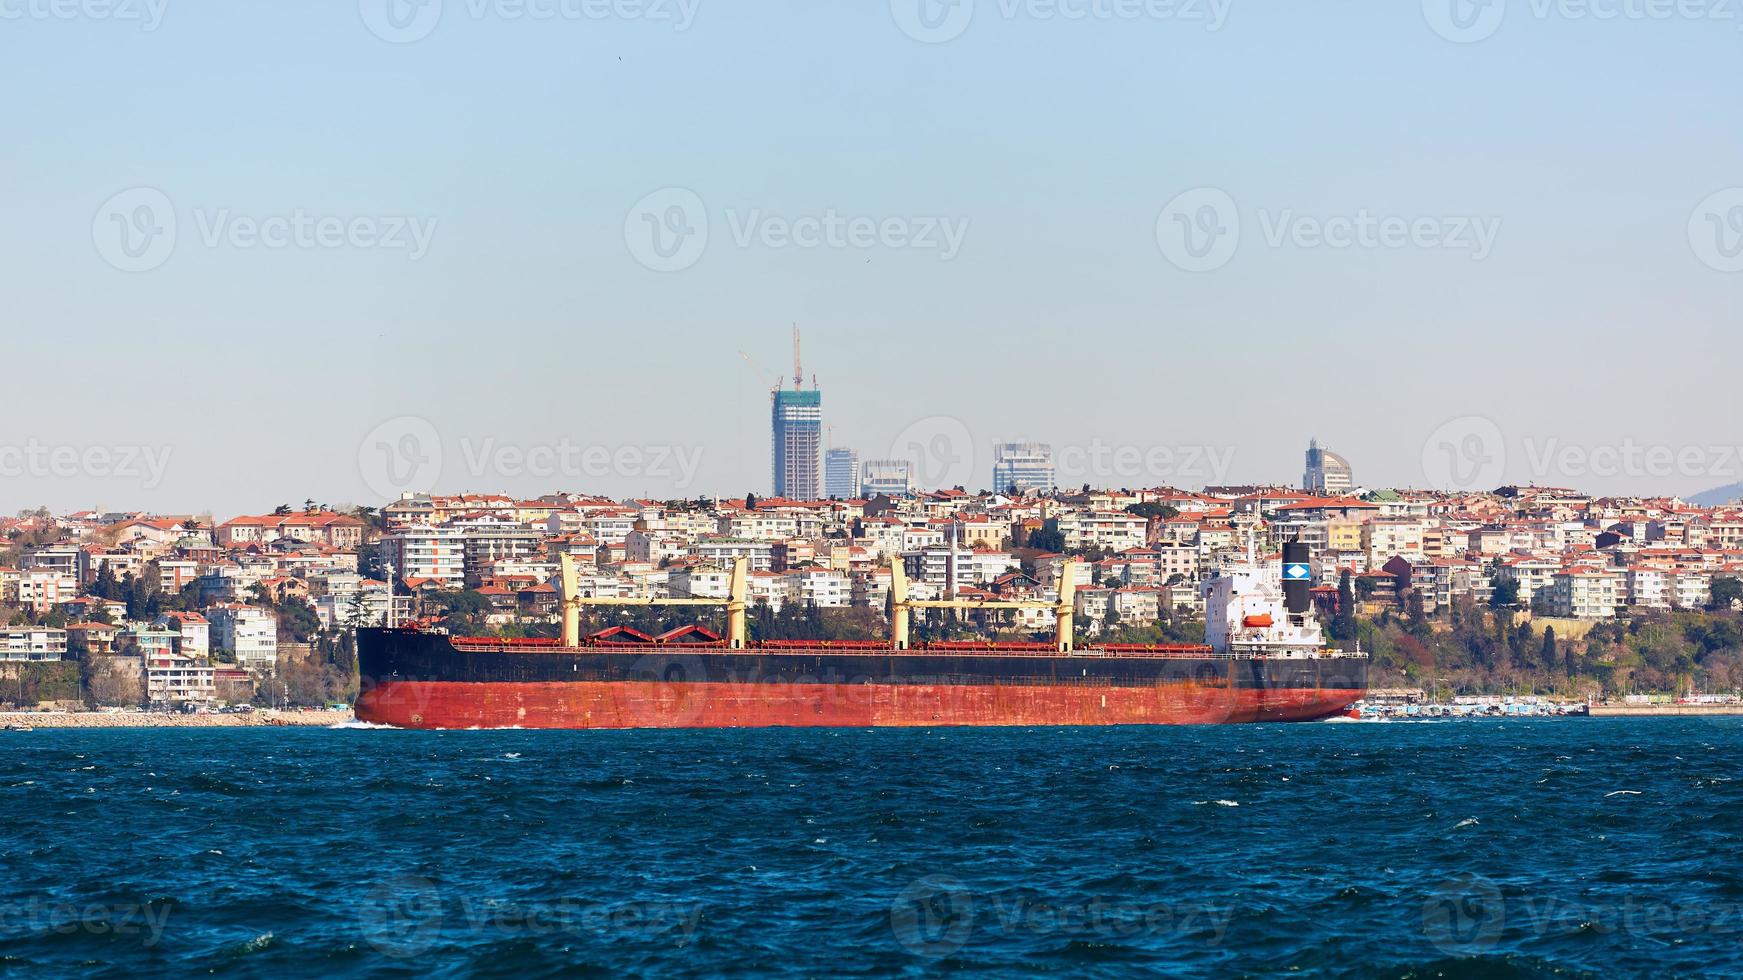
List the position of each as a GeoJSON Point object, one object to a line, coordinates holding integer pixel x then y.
{"type": "Point", "coordinates": [797, 443]}
{"type": "Point", "coordinates": [1327, 472]}
{"type": "Point", "coordinates": [841, 473]}
{"type": "Point", "coordinates": [1027, 466]}
{"type": "Point", "coordinates": [890, 477]}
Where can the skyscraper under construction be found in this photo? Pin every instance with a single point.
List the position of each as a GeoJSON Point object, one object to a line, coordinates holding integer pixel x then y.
{"type": "Point", "coordinates": [796, 437]}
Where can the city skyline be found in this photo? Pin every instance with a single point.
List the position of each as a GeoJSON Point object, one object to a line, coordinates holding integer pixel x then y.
{"type": "Point", "coordinates": [397, 460]}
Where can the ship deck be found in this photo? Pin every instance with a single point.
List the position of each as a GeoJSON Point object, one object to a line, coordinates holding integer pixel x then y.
{"type": "Point", "coordinates": [858, 648]}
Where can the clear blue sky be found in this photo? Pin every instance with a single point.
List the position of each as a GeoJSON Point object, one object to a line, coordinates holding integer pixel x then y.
{"type": "Point", "coordinates": [1591, 321]}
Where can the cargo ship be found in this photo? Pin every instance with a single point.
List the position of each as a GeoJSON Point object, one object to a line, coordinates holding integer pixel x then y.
{"type": "Point", "coordinates": [1263, 659]}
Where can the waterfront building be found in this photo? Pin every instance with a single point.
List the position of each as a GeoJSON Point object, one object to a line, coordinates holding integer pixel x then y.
{"type": "Point", "coordinates": [248, 633]}
{"type": "Point", "coordinates": [32, 643]}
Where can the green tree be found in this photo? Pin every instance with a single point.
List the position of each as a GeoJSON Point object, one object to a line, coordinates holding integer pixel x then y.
{"type": "Point", "coordinates": [1504, 593]}
{"type": "Point", "coordinates": [1153, 510]}
{"type": "Point", "coordinates": [1342, 627]}
{"type": "Point", "coordinates": [1048, 538]}
{"type": "Point", "coordinates": [105, 586]}
{"type": "Point", "coordinates": [1727, 589]}
{"type": "Point", "coordinates": [297, 620]}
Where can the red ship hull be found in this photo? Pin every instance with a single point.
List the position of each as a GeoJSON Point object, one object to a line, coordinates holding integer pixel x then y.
{"type": "Point", "coordinates": [421, 680]}
{"type": "Point", "coordinates": [630, 704]}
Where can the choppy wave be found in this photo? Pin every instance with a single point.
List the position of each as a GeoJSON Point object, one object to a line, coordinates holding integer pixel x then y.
{"type": "Point", "coordinates": [1399, 851]}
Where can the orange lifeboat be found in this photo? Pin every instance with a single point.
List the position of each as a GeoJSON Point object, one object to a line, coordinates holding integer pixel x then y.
{"type": "Point", "coordinates": [1259, 621]}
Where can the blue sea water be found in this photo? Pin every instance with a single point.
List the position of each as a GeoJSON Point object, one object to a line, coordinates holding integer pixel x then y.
{"type": "Point", "coordinates": [1497, 848]}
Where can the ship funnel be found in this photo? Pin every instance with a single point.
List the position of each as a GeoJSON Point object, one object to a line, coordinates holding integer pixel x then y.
{"type": "Point", "coordinates": [1297, 578]}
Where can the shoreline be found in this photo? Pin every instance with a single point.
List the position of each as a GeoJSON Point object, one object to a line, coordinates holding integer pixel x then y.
{"type": "Point", "coordinates": [265, 718]}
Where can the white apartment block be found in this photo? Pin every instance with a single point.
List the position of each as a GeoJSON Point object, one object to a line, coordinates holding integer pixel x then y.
{"type": "Point", "coordinates": [367, 604]}
{"type": "Point", "coordinates": [63, 558]}
{"type": "Point", "coordinates": [32, 643]}
{"type": "Point", "coordinates": [933, 565]}
{"type": "Point", "coordinates": [652, 547]}
{"type": "Point", "coordinates": [1690, 589]}
{"type": "Point", "coordinates": [767, 587]}
{"type": "Point", "coordinates": [824, 588]}
{"type": "Point", "coordinates": [918, 538]}
{"type": "Point", "coordinates": [724, 551]}
{"type": "Point", "coordinates": [248, 633]}
{"type": "Point", "coordinates": [609, 528]}
{"type": "Point", "coordinates": [757, 525]}
{"type": "Point", "coordinates": [1386, 538]}
{"type": "Point", "coordinates": [1110, 530]}
{"type": "Point", "coordinates": [700, 582]}
{"type": "Point", "coordinates": [171, 678]}
{"type": "Point", "coordinates": [43, 588]}
{"type": "Point", "coordinates": [193, 632]}
{"type": "Point", "coordinates": [1534, 575]}
{"type": "Point", "coordinates": [1587, 593]}
{"type": "Point", "coordinates": [421, 552]}
{"type": "Point", "coordinates": [1648, 587]}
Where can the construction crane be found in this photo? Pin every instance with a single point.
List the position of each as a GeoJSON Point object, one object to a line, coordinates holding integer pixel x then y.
{"type": "Point", "coordinates": [798, 369]}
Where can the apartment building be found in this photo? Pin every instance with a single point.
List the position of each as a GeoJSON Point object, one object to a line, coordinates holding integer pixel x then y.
{"type": "Point", "coordinates": [249, 634]}
{"type": "Point", "coordinates": [32, 643]}
{"type": "Point", "coordinates": [423, 554]}
{"type": "Point", "coordinates": [1584, 592]}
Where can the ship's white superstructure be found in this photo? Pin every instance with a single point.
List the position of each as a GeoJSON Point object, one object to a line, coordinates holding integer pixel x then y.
{"type": "Point", "coordinates": [1247, 612]}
